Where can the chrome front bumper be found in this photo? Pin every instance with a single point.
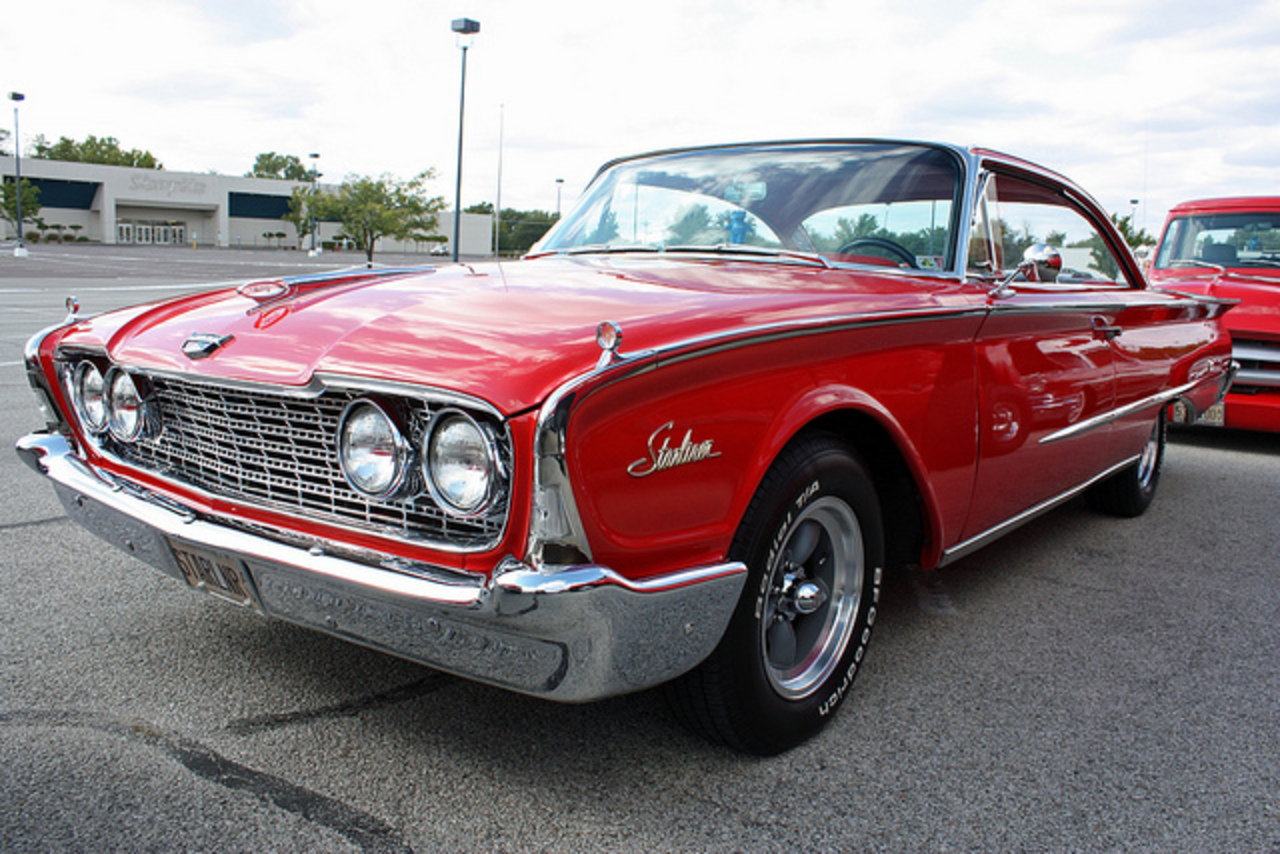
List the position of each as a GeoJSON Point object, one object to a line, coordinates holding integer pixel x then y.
{"type": "Point", "coordinates": [575, 635]}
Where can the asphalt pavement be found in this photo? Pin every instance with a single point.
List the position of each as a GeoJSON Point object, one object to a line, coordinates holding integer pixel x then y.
{"type": "Point", "coordinates": [1085, 684]}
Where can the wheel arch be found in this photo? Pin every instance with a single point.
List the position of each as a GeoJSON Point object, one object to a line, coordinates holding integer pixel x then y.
{"type": "Point", "coordinates": [906, 505]}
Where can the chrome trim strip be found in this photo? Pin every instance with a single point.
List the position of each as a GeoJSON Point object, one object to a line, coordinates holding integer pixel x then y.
{"type": "Point", "coordinates": [1122, 411]}
{"type": "Point", "coordinates": [974, 543]}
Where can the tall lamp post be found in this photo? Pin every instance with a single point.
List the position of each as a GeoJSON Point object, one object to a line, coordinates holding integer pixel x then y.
{"type": "Point", "coordinates": [559, 184]}
{"type": "Point", "coordinates": [315, 174]}
{"type": "Point", "coordinates": [465, 28]}
{"type": "Point", "coordinates": [20, 250]}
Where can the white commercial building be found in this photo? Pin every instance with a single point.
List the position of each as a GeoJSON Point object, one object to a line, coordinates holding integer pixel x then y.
{"type": "Point", "coordinates": [119, 204]}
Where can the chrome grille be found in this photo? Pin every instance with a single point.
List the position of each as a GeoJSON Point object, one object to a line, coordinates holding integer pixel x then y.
{"type": "Point", "coordinates": [281, 451]}
{"type": "Point", "coordinates": [1259, 365]}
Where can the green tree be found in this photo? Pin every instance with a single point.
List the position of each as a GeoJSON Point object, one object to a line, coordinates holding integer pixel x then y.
{"type": "Point", "coordinates": [300, 209]}
{"type": "Point", "coordinates": [1124, 225]}
{"type": "Point", "coordinates": [519, 230]}
{"type": "Point", "coordinates": [105, 150]}
{"type": "Point", "coordinates": [370, 208]}
{"type": "Point", "coordinates": [9, 203]}
{"type": "Point", "coordinates": [690, 228]}
{"type": "Point", "coordinates": [283, 167]}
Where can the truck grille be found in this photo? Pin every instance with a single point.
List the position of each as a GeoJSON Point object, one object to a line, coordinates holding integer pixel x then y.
{"type": "Point", "coordinates": [280, 451]}
{"type": "Point", "coordinates": [1259, 365]}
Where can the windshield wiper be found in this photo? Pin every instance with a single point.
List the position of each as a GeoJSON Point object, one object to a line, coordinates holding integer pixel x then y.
{"type": "Point", "coordinates": [745, 249]}
{"type": "Point", "coordinates": [1196, 262]}
{"type": "Point", "coordinates": [608, 248]}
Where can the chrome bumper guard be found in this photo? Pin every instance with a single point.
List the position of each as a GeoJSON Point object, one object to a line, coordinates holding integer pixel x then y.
{"type": "Point", "coordinates": [574, 635]}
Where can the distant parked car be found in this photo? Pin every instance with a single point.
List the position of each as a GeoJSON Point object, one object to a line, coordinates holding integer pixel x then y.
{"type": "Point", "coordinates": [440, 249]}
{"type": "Point", "coordinates": [680, 442]}
{"type": "Point", "coordinates": [1230, 248]}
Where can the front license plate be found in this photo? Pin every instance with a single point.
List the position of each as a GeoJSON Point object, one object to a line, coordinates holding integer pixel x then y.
{"type": "Point", "coordinates": [218, 573]}
{"type": "Point", "coordinates": [1214, 416]}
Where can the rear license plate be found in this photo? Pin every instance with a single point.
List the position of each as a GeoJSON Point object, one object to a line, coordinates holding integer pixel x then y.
{"type": "Point", "coordinates": [1214, 416]}
{"type": "Point", "coordinates": [216, 572]}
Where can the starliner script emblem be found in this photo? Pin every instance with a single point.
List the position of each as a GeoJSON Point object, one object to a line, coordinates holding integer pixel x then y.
{"type": "Point", "coordinates": [663, 457]}
{"type": "Point", "coordinates": [202, 345]}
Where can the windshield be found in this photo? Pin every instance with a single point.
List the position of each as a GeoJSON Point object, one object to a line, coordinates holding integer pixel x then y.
{"type": "Point", "coordinates": [1221, 240]}
{"type": "Point", "coordinates": [877, 203]}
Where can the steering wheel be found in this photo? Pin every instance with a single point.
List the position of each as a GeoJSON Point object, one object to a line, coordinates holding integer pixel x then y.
{"type": "Point", "coordinates": [851, 248]}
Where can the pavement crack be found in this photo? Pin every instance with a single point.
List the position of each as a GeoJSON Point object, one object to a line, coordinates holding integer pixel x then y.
{"type": "Point", "coordinates": [400, 694]}
{"type": "Point", "coordinates": [52, 520]}
{"type": "Point", "coordinates": [364, 830]}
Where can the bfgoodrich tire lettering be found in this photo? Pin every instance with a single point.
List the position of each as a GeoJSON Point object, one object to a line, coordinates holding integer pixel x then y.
{"type": "Point", "coordinates": [813, 541]}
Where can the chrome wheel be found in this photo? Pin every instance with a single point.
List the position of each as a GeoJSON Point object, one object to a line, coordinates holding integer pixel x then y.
{"type": "Point", "coordinates": [1149, 462]}
{"type": "Point", "coordinates": [813, 591]}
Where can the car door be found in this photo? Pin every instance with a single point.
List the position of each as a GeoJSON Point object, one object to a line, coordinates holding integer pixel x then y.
{"type": "Point", "coordinates": [1045, 356]}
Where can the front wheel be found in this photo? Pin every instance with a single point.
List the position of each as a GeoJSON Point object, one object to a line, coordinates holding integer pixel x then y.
{"type": "Point", "coordinates": [813, 543]}
{"type": "Point", "coordinates": [1129, 491]}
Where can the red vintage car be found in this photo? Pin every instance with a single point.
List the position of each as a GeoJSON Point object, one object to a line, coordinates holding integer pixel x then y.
{"type": "Point", "coordinates": [1230, 248]}
{"type": "Point", "coordinates": [680, 442]}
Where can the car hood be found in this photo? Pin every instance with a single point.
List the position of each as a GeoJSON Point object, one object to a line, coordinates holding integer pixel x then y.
{"type": "Point", "coordinates": [508, 333]}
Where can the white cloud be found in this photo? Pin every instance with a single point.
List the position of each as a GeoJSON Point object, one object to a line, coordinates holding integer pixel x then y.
{"type": "Point", "coordinates": [1138, 99]}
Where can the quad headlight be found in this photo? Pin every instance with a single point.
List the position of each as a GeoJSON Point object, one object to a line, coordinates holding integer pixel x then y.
{"type": "Point", "coordinates": [372, 450]}
{"type": "Point", "coordinates": [460, 463]}
{"type": "Point", "coordinates": [126, 410]}
{"type": "Point", "coordinates": [88, 397]}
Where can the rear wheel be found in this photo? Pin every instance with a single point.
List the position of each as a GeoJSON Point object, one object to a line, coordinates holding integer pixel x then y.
{"type": "Point", "coordinates": [1129, 492]}
{"type": "Point", "coordinates": [813, 543]}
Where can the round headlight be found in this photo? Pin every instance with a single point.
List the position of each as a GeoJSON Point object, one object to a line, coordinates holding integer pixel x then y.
{"type": "Point", "coordinates": [459, 463]}
{"type": "Point", "coordinates": [87, 397]}
{"type": "Point", "coordinates": [125, 415]}
{"type": "Point", "coordinates": [371, 449]}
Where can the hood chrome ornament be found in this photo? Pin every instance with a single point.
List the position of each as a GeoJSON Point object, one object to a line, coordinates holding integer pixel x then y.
{"type": "Point", "coordinates": [202, 345]}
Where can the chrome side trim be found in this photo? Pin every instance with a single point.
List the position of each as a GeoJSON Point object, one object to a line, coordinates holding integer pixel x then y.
{"type": "Point", "coordinates": [974, 543]}
{"type": "Point", "coordinates": [582, 634]}
{"type": "Point", "coordinates": [1121, 412]}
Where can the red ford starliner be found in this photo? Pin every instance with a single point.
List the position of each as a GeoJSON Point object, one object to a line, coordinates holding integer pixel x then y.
{"type": "Point", "coordinates": [680, 442]}
{"type": "Point", "coordinates": [1230, 248]}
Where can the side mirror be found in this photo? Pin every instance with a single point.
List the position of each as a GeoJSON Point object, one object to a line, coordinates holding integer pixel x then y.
{"type": "Point", "coordinates": [1041, 263]}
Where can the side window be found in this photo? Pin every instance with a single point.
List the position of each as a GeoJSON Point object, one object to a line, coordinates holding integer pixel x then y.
{"type": "Point", "coordinates": [1022, 213]}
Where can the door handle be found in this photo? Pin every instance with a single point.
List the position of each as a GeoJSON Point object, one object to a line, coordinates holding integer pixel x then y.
{"type": "Point", "coordinates": [1102, 329]}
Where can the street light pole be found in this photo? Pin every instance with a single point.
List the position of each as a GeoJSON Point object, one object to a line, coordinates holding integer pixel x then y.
{"type": "Point", "coordinates": [19, 251]}
{"type": "Point", "coordinates": [465, 28]}
{"type": "Point", "coordinates": [315, 173]}
{"type": "Point", "coordinates": [559, 184]}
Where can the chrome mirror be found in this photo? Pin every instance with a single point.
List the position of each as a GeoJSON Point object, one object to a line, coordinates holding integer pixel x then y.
{"type": "Point", "coordinates": [1041, 263]}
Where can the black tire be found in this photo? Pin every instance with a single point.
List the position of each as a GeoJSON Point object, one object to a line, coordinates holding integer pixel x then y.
{"type": "Point", "coordinates": [813, 542]}
{"type": "Point", "coordinates": [1129, 492]}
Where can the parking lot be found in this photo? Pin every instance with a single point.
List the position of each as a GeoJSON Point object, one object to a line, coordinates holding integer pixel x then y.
{"type": "Point", "coordinates": [1087, 683]}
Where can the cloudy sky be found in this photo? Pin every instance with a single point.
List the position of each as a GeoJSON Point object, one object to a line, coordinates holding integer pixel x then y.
{"type": "Point", "coordinates": [1153, 100]}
